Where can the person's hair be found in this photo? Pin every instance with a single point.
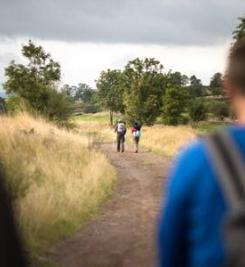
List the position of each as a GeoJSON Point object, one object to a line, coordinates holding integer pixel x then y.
{"type": "Point", "coordinates": [235, 72]}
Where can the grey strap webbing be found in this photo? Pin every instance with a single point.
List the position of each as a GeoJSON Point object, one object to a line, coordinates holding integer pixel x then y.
{"type": "Point", "coordinates": [229, 165]}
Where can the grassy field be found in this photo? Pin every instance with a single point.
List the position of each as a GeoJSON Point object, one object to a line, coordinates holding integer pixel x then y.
{"type": "Point", "coordinates": [166, 140]}
{"type": "Point", "coordinates": [56, 181]}
{"type": "Point", "coordinates": [161, 139]}
{"type": "Point", "coordinates": [56, 177]}
{"type": "Point", "coordinates": [208, 127]}
{"type": "Point", "coordinates": [101, 117]}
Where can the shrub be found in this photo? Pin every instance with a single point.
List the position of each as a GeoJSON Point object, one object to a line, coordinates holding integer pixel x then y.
{"type": "Point", "coordinates": [174, 104]}
{"type": "Point", "coordinates": [197, 110]}
{"type": "Point", "coordinates": [90, 108]}
{"type": "Point", "coordinates": [15, 104]}
{"type": "Point", "coordinates": [58, 108]}
{"type": "Point", "coordinates": [220, 109]}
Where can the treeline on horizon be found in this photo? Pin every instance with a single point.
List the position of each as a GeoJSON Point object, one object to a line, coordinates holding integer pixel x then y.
{"type": "Point", "coordinates": [143, 90]}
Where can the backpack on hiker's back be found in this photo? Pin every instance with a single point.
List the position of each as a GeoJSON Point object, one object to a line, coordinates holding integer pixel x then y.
{"type": "Point", "coordinates": [121, 128]}
{"type": "Point", "coordinates": [230, 167]}
{"type": "Point", "coordinates": [137, 133]}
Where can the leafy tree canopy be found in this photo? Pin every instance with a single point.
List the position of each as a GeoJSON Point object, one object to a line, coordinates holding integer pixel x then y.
{"type": "Point", "coordinates": [110, 91]}
{"type": "Point", "coordinates": [144, 84]}
{"type": "Point", "coordinates": [36, 82]}
{"type": "Point", "coordinates": [196, 87]}
{"type": "Point", "coordinates": [174, 104]}
{"type": "Point", "coordinates": [216, 84]}
{"type": "Point", "coordinates": [82, 92]}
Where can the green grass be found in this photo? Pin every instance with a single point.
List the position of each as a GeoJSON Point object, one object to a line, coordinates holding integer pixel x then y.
{"type": "Point", "coordinates": [209, 127]}
{"type": "Point", "coordinates": [102, 117]}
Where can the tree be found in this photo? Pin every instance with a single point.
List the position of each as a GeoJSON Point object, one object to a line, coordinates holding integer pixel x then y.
{"type": "Point", "coordinates": [196, 87]}
{"type": "Point", "coordinates": [110, 91]}
{"type": "Point", "coordinates": [144, 85]}
{"type": "Point", "coordinates": [84, 98]}
{"type": "Point", "coordinates": [216, 84]}
{"type": "Point", "coordinates": [178, 79]}
{"type": "Point", "coordinates": [216, 80]}
{"type": "Point", "coordinates": [69, 90]}
{"type": "Point", "coordinates": [239, 33]}
{"type": "Point", "coordinates": [84, 93]}
{"type": "Point", "coordinates": [184, 80]}
{"type": "Point", "coordinates": [197, 110]}
{"type": "Point", "coordinates": [37, 81]}
{"type": "Point", "coordinates": [174, 104]}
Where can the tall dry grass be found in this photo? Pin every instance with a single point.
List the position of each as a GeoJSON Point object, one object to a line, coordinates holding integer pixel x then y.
{"type": "Point", "coordinates": [101, 130]}
{"type": "Point", "coordinates": [167, 140]}
{"type": "Point", "coordinates": [56, 182]}
{"type": "Point", "coordinates": [161, 139]}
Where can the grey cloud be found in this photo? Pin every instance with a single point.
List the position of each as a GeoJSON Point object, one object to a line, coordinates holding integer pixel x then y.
{"type": "Point", "coordinates": [7, 57]}
{"type": "Point", "coordinates": [174, 22]}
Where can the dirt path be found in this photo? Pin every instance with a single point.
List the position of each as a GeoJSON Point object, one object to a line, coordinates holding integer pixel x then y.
{"type": "Point", "coordinates": [123, 234]}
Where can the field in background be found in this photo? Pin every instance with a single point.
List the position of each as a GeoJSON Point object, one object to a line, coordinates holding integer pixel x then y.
{"type": "Point", "coordinates": [56, 181]}
{"type": "Point", "coordinates": [161, 139]}
{"type": "Point", "coordinates": [101, 117]}
{"type": "Point", "coordinates": [209, 127]}
{"type": "Point", "coordinates": [166, 140]}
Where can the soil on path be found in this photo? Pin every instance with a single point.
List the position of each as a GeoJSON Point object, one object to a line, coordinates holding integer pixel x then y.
{"type": "Point", "coordinates": [123, 234]}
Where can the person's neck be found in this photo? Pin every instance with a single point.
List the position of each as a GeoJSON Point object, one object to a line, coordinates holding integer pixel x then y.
{"type": "Point", "coordinates": [241, 120]}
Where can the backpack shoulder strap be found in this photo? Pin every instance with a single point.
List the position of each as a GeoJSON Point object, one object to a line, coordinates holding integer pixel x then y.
{"type": "Point", "coordinates": [229, 165]}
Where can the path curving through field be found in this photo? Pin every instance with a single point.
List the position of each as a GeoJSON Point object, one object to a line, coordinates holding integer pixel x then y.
{"type": "Point", "coordinates": [123, 234]}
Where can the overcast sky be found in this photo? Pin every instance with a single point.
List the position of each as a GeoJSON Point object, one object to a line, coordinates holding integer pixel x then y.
{"type": "Point", "coordinates": [87, 36]}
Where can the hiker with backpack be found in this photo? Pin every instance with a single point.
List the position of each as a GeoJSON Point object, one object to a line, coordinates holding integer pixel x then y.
{"type": "Point", "coordinates": [121, 131]}
{"type": "Point", "coordinates": [136, 132]}
{"type": "Point", "coordinates": [203, 219]}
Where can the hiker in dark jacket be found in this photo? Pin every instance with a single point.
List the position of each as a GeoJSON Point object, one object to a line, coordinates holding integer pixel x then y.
{"type": "Point", "coordinates": [121, 131]}
{"type": "Point", "coordinates": [193, 228]}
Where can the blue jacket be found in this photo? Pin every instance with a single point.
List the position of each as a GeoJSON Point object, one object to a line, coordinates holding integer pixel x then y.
{"type": "Point", "coordinates": [190, 228]}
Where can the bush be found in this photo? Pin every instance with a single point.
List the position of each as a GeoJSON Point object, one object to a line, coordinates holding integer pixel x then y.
{"type": "Point", "coordinates": [174, 104]}
{"type": "Point", "coordinates": [197, 110]}
{"type": "Point", "coordinates": [90, 108]}
{"type": "Point", "coordinates": [58, 107]}
{"type": "Point", "coordinates": [15, 104]}
{"type": "Point", "coordinates": [220, 109]}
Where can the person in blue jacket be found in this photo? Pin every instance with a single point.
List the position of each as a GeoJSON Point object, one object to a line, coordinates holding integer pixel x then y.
{"type": "Point", "coordinates": [191, 220]}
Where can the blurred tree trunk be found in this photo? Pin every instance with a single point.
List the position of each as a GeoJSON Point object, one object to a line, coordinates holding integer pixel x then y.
{"type": "Point", "coordinates": [111, 118]}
